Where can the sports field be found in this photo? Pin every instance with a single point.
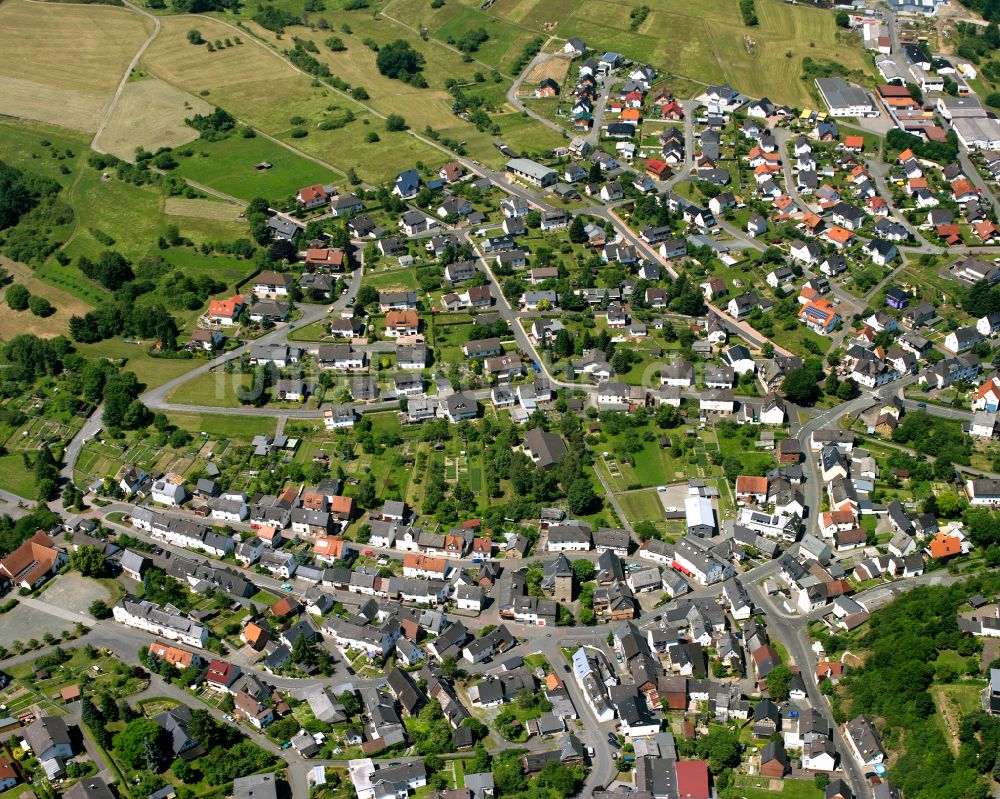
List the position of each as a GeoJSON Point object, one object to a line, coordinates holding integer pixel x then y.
{"type": "Point", "coordinates": [61, 63]}
{"type": "Point", "coordinates": [150, 114]}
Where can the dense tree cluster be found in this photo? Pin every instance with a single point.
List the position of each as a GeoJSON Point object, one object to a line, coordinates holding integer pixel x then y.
{"type": "Point", "coordinates": [201, 6]}
{"type": "Point", "coordinates": [935, 436]}
{"type": "Point", "coordinates": [400, 61]}
{"type": "Point", "coordinates": [216, 125]}
{"type": "Point", "coordinates": [21, 191]}
{"type": "Point", "coordinates": [942, 152]}
{"type": "Point", "coordinates": [30, 210]}
{"type": "Point", "coordinates": [802, 385]}
{"type": "Point", "coordinates": [14, 533]}
{"type": "Point", "coordinates": [275, 19]}
{"type": "Point", "coordinates": [903, 641]}
{"type": "Point", "coordinates": [111, 270]}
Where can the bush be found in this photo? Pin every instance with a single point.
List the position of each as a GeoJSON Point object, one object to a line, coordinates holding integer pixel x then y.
{"type": "Point", "coordinates": [395, 123]}
{"type": "Point", "coordinates": [299, 133]}
{"type": "Point", "coordinates": [40, 306]}
{"type": "Point", "coordinates": [371, 137]}
{"type": "Point", "coordinates": [194, 36]}
{"type": "Point", "coordinates": [99, 609]}
{"type": "Point", "coordinates": [18, 297]}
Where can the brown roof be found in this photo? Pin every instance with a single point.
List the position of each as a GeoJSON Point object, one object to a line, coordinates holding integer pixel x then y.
{"type": "Point", "coordinates": [70, 693]}
{"type": "Point", "coordinates": [414, 560]}
{"type": "Point", "coordinates": [31, 560]}
{"type": "Point", "coordinates": [172, 654]}
{"type": "Point", "coordinates": [453, 171]}
{"type": "Point", "coordinates": [747, 484]}
{"type": "Point", "coordinates": [255, 635]}
{"type": "Point", "coordinates": [401, 319]}
{"type": "Point", "coordinates": [283, 607]}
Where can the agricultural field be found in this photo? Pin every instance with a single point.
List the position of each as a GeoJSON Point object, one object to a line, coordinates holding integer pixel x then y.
{"type": "Point", "coordinates": [150, 114]}
{"type": "Point", "coordinates": [203, 209]}
{"type": "Point", "coordinates": [263, 90]}
{"type": "Point", "coordinates": [706, 43]}
{"type": "Point", "coordinates": [66, 306]}
{"type": "Point", "coordinates": [37, 78]}
{"type": "Point", "coordinates": [172, 58]}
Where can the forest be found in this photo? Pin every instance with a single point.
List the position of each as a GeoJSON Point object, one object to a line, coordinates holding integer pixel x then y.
{"type": "Point", "coordinates": [902, 642]}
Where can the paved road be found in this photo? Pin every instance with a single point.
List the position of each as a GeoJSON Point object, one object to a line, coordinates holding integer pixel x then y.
{"type": "Point", "coordinates": [515, 100]}
{"type": "Point", "coordinates": [793, 635]}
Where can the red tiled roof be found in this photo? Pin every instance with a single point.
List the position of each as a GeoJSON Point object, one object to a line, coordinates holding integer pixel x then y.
{"type": "Point", "coordinates": [945, 546]}
{"type": "Point", "coordinates": [692, 779]}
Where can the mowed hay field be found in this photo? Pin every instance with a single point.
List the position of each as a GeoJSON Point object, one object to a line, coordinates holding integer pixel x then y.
{"type": "Point", "coordinates": [555, 68]}
{"type": "Point", "coordinates": [150, 114]}
{"type": "Point", "coordinates": [261, 89]}
{"type": "Point", "coordinates": [703, 42]}
{"type": "Point", "coordinates": [14, 322]}
{"type": "Point", "coordinates": [421, 107]}
{"type": "Point", "coordinates": [174, 59]}
{"type": "Point", "coordinates": [61, 63]}
{"type": "Point", "coordinates": [204, 209]}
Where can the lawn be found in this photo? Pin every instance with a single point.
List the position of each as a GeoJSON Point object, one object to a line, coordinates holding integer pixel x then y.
{"type": "Point", "coordinates": [150, 371]}
{"type": "Point", "coordinates": [795, 340]}
{"type": "Point", "coordinates": [216, 389]}
{"type": "Point", "coordinates": [218, 425]}
{"type": "Point", "coordinates": [642, 506]}
{"type": "Point", "coordinates": [14, 477]}
{"type": "Point", "coordinates": [133, 218]}
{"type": "Point", "coordinates": [271, 104]}
{"type": "Point", "coordinates": [315, 331]}
{"type": "Point", "coordinates": [758, 788]}
{"type": "Point", "coordinates": [649, 465]}
{"type": "Point", "coordinates": [386, 279]}
{"type": "Point", "coordinates": [42, 149]}
{"type": "Point", "coordinates": [230, 166]}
